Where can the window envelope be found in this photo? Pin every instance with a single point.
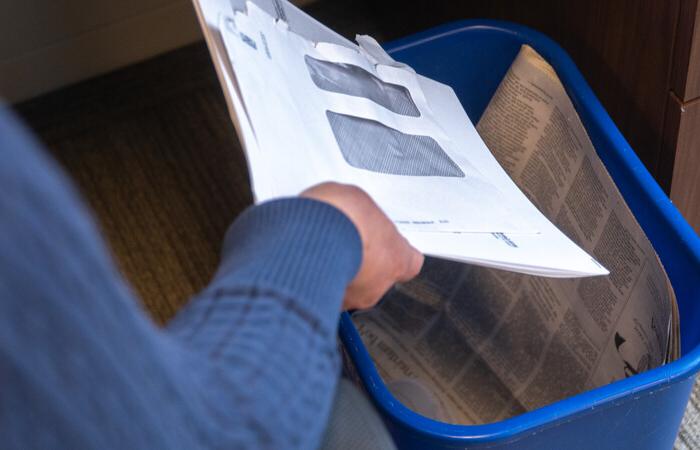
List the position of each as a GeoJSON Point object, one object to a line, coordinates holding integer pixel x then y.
{"type": "Point", "coordinates": [368, 144]}
{"type": "Point", "coordinates": [353, 80]}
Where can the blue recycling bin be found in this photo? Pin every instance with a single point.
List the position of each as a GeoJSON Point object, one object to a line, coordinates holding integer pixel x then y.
{"type": "Point", "coordinates": [642, 412]}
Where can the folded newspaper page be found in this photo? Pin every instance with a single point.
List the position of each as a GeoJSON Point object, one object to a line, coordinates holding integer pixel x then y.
{"type": "Point", "coordinates": [310, 106]}
{"type": "Point", "coordinates": [472, 345]}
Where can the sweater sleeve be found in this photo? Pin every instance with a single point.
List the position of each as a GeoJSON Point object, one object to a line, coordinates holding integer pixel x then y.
{"type": "Point", "coordinates": [263, 334]}
{"type": "Point", "coordinates": [250, 363]}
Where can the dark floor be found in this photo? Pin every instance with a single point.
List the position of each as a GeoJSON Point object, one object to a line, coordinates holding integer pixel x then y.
{"type": "Point", "coordinates": [153, 150]}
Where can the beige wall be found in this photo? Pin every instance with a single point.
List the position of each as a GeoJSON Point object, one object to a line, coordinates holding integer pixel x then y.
{"type": "Point", "coordinates": [46, 44]}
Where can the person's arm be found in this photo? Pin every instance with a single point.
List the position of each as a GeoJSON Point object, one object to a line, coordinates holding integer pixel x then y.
{"type": "Point", "coordinates": [265, 329]}
{"type": "Point", "coordinates": [250, 363]}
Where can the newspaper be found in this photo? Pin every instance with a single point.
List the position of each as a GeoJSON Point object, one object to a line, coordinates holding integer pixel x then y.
{"type": "Point", "coordinates": [310, 106]}
{"type": "Point", "coordinates": [471, 345]}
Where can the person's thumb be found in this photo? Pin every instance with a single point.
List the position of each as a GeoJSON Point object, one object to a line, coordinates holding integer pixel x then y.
{"type": "Point", "coordinates": [413, 261]}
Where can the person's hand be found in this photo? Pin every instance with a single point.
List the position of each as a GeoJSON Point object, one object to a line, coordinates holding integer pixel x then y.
{"type": "Point", "coordinates": [387, 257]}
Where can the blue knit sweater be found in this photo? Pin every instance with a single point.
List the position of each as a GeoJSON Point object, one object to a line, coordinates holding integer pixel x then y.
{"type": "Point", "coordinates": [251, 362]}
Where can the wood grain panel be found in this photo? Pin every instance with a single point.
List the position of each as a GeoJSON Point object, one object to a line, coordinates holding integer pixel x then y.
{"type": "Point", "coordinates": [686, 60]}
{"type": "Point", "coordinates": [685, 188]}
{"type": "Point", "coordinates": [674, 108]}
{"type": "Point", "coordinates": [29, 25]}
{"type": "Point", "coordinates": [623, 47]}
{"type": "Point", "coordinates": [98, 50]}
{"type": "Point", "coordinates": [692, 85]}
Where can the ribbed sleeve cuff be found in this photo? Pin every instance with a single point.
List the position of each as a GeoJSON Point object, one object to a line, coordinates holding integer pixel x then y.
{"type": "Point", "coordinates": [302, 248]}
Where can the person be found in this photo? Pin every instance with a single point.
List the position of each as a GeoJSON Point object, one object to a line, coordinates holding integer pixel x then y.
{"type": "Point", "coordinates": [251, 362]}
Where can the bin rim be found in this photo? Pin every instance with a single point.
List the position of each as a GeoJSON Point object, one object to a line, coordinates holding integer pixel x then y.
{"type": "Point", "coordinates": [548, 416]}
{"type": "Point", "coordinates": [584, 403]}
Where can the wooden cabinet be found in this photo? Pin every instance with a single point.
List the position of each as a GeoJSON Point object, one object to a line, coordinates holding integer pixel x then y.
{"type": "Point", "coordinates": [681, 146]}
{"type": "Point", "coordinates": [641, 57]}
{"type": "Point", "coordinates": [49, 44]}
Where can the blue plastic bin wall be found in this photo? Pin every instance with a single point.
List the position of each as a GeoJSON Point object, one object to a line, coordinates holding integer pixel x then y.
{"type": "Point", "coordinates": [641, 412]}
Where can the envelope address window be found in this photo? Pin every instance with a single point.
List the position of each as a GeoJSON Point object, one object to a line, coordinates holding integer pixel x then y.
{"type": "Point", "coordinates": [353, 80]}
{"type": "Point", "coordinates": [368, 144]}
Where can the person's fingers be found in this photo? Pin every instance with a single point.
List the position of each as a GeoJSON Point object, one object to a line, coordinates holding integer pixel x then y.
{"type": "Point", "coordinates": [387, 257]}
{"type": "Point", "coordinates": [413, 261]}
{"type": "Point", "coordinates": [368, 292]}
{"type": "Point", "coordinates": [362, 298]}
{"type": "Point", "coordinates": [416, 264]}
